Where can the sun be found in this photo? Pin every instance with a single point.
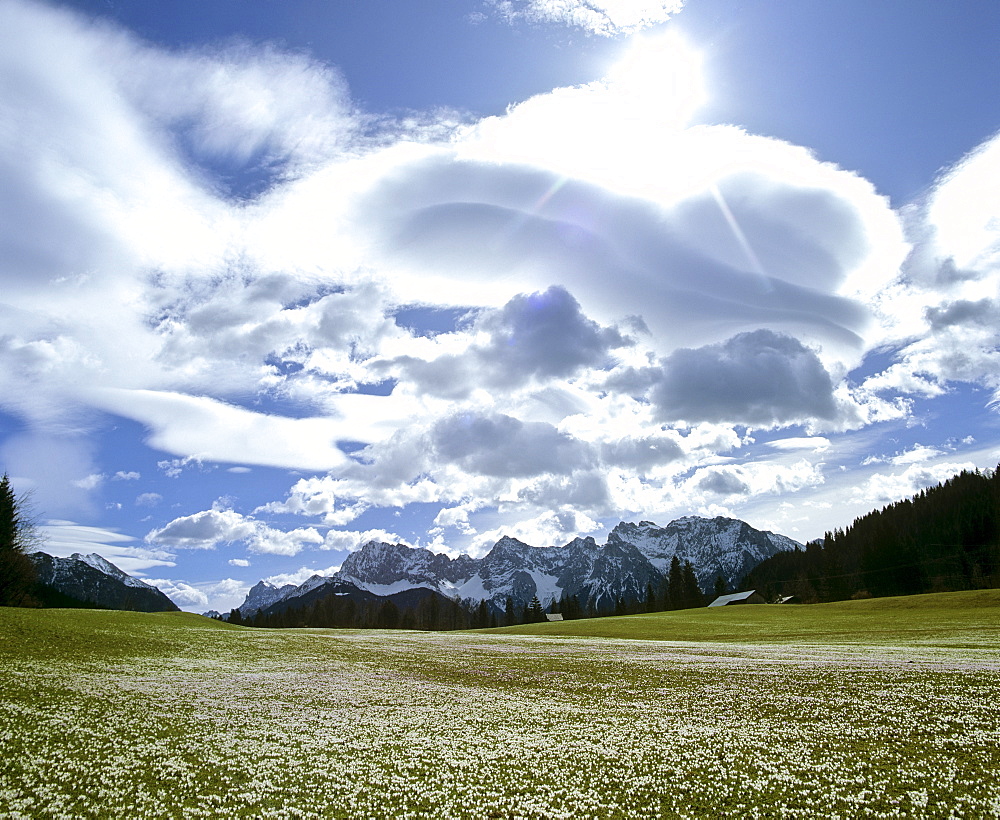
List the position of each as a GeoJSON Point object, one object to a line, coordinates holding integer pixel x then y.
{"type": "Point", "coordinates": [662, 73]}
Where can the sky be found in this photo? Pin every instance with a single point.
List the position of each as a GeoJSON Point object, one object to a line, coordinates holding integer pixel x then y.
{"type": "Point", "coordinates": [277, 279]}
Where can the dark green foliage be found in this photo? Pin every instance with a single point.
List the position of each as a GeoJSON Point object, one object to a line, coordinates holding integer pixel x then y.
{"type": "Point", "coordinates": [334, 611]}
{"type": "Point", "coordinates": [675, 583]}
{"type": "Point", "coordinates": [691, 595]}
{"type": "Point", "coordinates": [946, 538]}
{"type": "Point", "coordinates": [534, 613]}
{"type": "Point", "coordinates": [680, 591]}
{"type": "Point", "coordinates": [17, 535]}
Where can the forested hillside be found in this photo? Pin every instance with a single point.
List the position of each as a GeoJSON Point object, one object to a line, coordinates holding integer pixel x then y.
{"type": "Point", "coordinates": [945, 538]}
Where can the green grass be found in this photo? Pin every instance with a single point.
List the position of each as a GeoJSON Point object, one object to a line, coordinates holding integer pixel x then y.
{"type": "Point", "coordinates": [959, 619]}
{"type": "Point", "coordinates": [880, 708]}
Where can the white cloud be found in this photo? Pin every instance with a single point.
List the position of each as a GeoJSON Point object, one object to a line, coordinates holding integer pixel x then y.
{"type": "Point", "coordinates": [606, 18]}
{"type": "Point", "coordinates": [352, 540]}
{"type": "Point", "coordinates": [300, 576]}
{"type": "Point", "coordinates": [883, 488]}
{"type": "Point", "coordinates": [917, 454]}
{"type": "Point", "coordinates": [63, 538]}
{"type": "Point", "coordinates": [148, 499]}
{"type": "Point", "coordinates": [122, 475]}
{"type": "Point", "coordinates": [211, 528]}
{"type": "Point", "coordinates": [90, 482]}
{"type": "Point", "coordinates": [200, 427]}
{"type": "Point", "coordinates": [964, 208]}
{"type": "Point", "coordinates": [815, 443]}
{"type": "Point", "coordinates": [239, 562]}
{"type": "Point", "coordinates": [204, 530]}
{"type": "Point", "coordinates": [944, 310]}
{"type": "Point", "coordinates": [222, 596]}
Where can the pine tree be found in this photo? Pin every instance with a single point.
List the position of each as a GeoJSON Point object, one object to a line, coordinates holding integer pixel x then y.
{"type": "Point", "coordinates": [17, 536]}
{"type": "Point", "coordinates": [675, 585]}
{"type": "Point", "coordinates": [720, 586]}
{"type": "Point", "coordinates": [534, 613]}
{"type": "Point", "coordinates": [691, 593]}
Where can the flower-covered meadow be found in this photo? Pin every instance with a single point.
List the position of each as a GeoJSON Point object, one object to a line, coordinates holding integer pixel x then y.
{"type": "Point", "coordinates": [126, 715]}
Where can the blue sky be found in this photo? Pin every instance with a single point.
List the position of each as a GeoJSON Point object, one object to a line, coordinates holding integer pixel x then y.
{"type": "Point", "coordinates": [276, 279]}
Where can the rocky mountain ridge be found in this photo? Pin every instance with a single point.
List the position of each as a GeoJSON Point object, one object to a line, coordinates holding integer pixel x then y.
{"type": "Point", "coordinates": [92, 580]}
{"type": "Point", "coordinates": [635, 557]}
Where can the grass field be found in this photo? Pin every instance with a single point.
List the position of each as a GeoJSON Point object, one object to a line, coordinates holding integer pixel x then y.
{"type": "Point", "coordinates": [879, 708]}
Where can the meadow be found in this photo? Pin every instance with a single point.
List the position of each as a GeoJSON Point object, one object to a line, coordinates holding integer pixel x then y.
{"type": "Point", "coordinates": [878, 708]}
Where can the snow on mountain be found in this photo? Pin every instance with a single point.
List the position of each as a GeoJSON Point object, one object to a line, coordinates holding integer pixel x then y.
{"type": "Point", "coordinates": [380, 566]}
{"type": "Point", "coordinates": [716, 547]}
{"type": "Point", "coordinates": [93, 580]}
{"type": "Point", "coordinates": [262, 595]}
{"type": "Point", "coordinates": [103, 565]}
{"type": "Point", "coordinates": [634, 557]}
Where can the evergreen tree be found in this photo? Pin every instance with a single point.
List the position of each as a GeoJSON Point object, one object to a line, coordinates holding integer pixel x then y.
{"type": "Point", "coordinates": [17, 537]}
{"type": "Point", "coordinates": [534, 613]}
{"type": "Point", "coordinates": [675, 585]}
{"type": "Point", "coordinates": [388, 615]}
{"type": "Point", "coordinates": [510, 617]}
{"type": "Point", "coordinates": [482, 617]}
{"type": "Point", "coordinates": [691, 594]}
{"type": "Point", "coordinates": [720, 586]}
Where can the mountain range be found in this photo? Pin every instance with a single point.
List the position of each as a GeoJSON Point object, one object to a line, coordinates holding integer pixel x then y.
{"type": "Point", "coordinates": [634, 557]}
{"type": "Point", "coordinates": [90, 580]}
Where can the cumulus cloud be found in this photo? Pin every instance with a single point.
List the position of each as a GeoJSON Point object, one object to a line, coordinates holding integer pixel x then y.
{"type": "Point", "coordinates": [211, 528]}
{"type": "Point", "coordinates": [204, 530]}
{"type": "Point", "coordinates": [221, 596]}
{"type": "Point", "coordinates": [90, 482]}
{"type": "Point", "coordinates": [503, 446]}
{"type": "Point", "coordinates": [741, 482]}
{"type": "Point", "coordinates": [944, 308]}
{"type": "Point", "coordinates": [882, 488]}
{"type": "Point", "coordinates": [759, 379]}
{"type": "Point", "coordinates": [542, 336]}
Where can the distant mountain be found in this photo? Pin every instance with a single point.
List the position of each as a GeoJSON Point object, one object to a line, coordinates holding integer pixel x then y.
{"type": "Point", "coordinates": [716, 547]}
{"type": "Point", "coordinates": [405, 599]}
{"type": "Point", "coordinates": [634, 557]}
{"type": "Point", "coordinates": [262, 595]}
{"type": "Point", "coordinates": [92, 581]}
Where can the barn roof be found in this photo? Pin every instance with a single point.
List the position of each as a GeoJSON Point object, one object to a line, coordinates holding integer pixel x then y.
{"type": "Point", "coordinates": [733, 598]}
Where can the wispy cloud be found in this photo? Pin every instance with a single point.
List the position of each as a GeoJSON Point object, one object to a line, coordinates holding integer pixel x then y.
{"type": "Point", "coordinates": [606, 18]}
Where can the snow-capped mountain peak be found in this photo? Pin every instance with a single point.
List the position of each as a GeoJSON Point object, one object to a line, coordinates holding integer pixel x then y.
{"type": "Point", "coordinates": [635, 557]}
{"type": "Point", "coordinates": [101, 564]}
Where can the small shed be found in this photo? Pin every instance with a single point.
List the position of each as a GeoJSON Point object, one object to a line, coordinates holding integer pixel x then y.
{"type": "Point", "coordinates": [553, 616]}
{"type": "Point", "coordinates": [749, 597]}
{"type": "Point", "coordinates": [789, 599]}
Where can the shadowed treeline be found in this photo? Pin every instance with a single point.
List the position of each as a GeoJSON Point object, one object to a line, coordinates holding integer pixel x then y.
{"type": "Point", "coordinates": [945, 538]}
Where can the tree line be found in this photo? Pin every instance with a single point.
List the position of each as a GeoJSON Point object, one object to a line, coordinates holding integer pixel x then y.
{"type": "Point", "coordinates": [943, 539]}
{"type": "Point", "coordinates": [678, 590]}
